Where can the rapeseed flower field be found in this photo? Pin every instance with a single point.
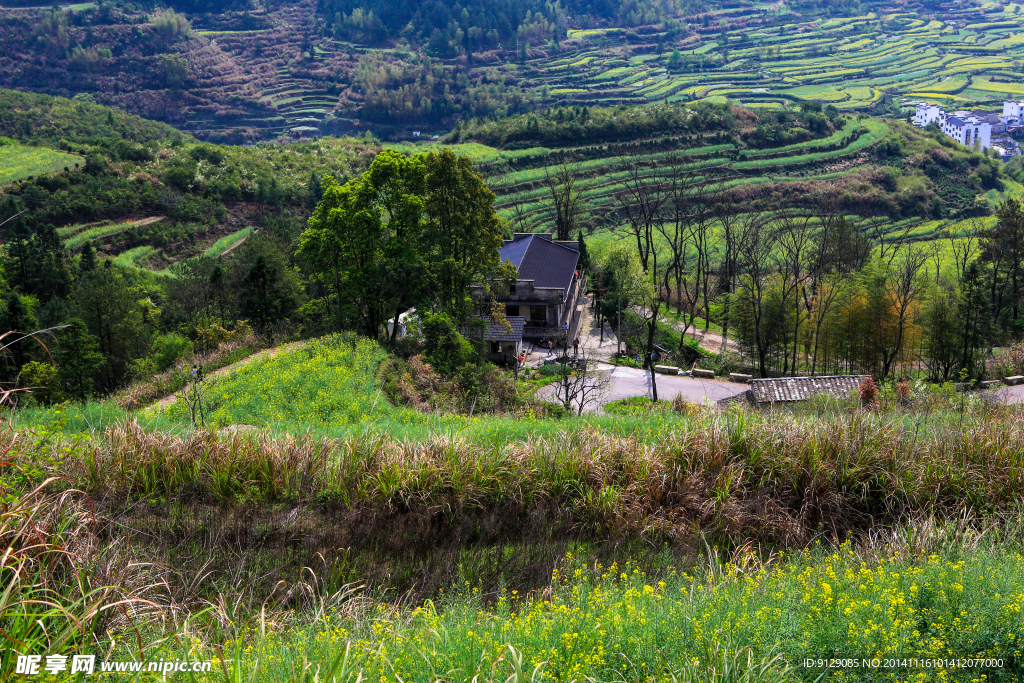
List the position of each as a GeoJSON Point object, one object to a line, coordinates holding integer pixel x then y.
{"type": "Point", "coordinates": [328, 381]}
{"type": "Point", "coordinates": [618, 624]}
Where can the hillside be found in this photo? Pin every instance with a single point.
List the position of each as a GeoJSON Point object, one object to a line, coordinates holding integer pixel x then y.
{"type": "Point", "coordinates": [140, 189]}
{"type": "Point", "coordinates": [311, 68]}
{"type": "Point", "coordinates": [219, 449]}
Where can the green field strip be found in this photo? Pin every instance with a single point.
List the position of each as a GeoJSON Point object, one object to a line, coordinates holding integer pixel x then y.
{"type": "Point", "coordinates": [849, 128]}
{"type": "Point", "coordinates": [227, 242]}
{"type": "Point", "coordinates": [97, 233]}
{"type": "Point", "coordinates": [595, 187]}
{"type": "Point", "coordinates": [133, 256]}
{"type": "Point", "coordinates": [18, 162]}
{"type": "Point", "coordinates": [537, 174]}
{"type": "Point", "coordinates": [539, 213]}
{"type": "Point", "coordinates": [876, 130]}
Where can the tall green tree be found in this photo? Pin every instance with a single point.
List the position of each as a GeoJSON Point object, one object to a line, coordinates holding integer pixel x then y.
{"type": "Point", "coordinates": [79, 361]}
{"type": "Point", "coordinates": [17, 316]}
{"type": "Point", "coordinates": [974, 318]}
{"type": "Point", "coordinates": [1003, 248]}
{"type": "Point", "coordinates": [409, 232]}
{"type": "Point", "coordinates": [367, 233]}
{"type": "Point", "coordinates": [463, 232]}
{"type": "Point", "coordinates": [108, 303]}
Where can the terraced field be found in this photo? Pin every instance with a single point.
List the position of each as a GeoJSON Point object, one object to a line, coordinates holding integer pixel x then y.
{"type": "Point", "coordinates": [972, 54]}
{"type": "Point", "coordinates": [847, 161]}
{"type": "Point", "coordinates": [523, 197]}
{"type": "Point", "coordinates": [21, 161]}
{"type": "Point", "coordinates": [75, 236]}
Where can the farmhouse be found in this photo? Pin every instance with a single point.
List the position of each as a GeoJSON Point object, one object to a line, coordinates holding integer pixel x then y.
{"type": "Point", "coordinates": [503, 345]}
{"type": "Point", "coordinates": [542, 302]}
{"type": "Point", "coordinates": [927, 113]}
{"type": "Point", "coordinates": [547, 288]}
{"type": "Point", "coordinates": [978, 128]}
{"type": "Point", "coordinates": [967, 129]}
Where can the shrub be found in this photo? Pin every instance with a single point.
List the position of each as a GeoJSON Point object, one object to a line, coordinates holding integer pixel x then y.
{"type": "Point", "coordinates": [869, 394]}
{"type": "Point", "coordinates": [446, 348]}
{"type": "Point", "coordinates": [39, 378]}
{"type": "Point", "coordinates": [168, 348]}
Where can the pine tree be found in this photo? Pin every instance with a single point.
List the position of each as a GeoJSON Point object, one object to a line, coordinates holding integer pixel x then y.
{"type": "Point", "coordinates": [316, 191]}
{"type": "Point", "coordinates": [79, 361]}
{"type": "Point", "coordinates": [584, 261]}
{"type": "Point", "coordinates": [88, 261]}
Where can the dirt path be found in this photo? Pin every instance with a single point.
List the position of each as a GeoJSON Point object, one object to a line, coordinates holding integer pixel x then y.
{"type": "Point", "coordinates": [166, 401]}
{"type": "Point", "coordinates": [709, 341]}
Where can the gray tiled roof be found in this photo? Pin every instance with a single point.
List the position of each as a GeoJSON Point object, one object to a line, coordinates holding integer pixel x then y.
{"type": "Point", "coordinates": [496, 333]}
{"type": "Point", "coordinates": [538, 258]}
{"type": "Point", "coordinates": [788, 389]}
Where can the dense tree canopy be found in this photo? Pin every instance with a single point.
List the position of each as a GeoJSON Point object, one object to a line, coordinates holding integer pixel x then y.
{"type": "Point", "coordinates": [409, 232]}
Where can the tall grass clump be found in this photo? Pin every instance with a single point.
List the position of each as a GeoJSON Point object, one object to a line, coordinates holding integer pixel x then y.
{"type": "Point", "coordinates": [781, 478]}
{"type": "Point", "coordinates": [62, 586]}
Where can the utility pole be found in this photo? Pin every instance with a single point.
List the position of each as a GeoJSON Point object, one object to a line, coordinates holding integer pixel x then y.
{"type": "Point", "coordinates": [618, 332]}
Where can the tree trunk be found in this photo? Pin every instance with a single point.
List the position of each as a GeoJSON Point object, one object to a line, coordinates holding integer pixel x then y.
{"type": "Point", "coordinates": [337, 289]}
{"type": "Point", "coordinates": [652, 329]}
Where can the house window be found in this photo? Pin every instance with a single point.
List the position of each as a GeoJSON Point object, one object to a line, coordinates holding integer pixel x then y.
{"type": "Point", "coordinates": [511, 310]}
{"type": "Point", "coordinates": [511, 289]}
{"type": "Point", "coordinates": [538, 315]}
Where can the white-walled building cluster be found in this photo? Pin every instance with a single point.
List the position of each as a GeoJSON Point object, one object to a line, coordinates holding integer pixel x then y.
{"type": "Point", "coordinates": [979, 129]}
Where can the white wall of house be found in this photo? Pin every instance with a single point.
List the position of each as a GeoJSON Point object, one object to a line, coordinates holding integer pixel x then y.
{"type": "Point", "coordinates": [927, 113]}
{"type": "Point", "coordinates": [968, 130]}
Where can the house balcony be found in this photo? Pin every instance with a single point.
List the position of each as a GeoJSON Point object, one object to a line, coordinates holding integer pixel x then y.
{"type": "Point", "coordinates": [536, 332]}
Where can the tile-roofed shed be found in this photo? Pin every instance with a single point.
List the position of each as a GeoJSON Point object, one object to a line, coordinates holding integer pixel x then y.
{"type": "Point", "coordinates": [789, 389]}
{"type": "Point", "coordinates": [538, 258]}
{"type": "Point", "coordinates": [498, 333]}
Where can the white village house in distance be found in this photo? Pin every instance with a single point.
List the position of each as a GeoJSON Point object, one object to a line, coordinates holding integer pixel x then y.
{"type": "Point", "coordinates": [978, 127]}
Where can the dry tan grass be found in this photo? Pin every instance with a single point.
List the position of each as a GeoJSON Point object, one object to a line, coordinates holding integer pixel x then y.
{"type": "Point", "coordinates": [778, 477]}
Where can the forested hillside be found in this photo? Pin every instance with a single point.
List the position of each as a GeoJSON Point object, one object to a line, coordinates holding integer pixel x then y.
{"type": "Point", "coordinates": [238, 72]}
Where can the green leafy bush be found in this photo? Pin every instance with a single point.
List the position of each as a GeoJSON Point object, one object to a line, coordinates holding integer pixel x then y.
{"type": "Point", "coordinates": [167, 348]}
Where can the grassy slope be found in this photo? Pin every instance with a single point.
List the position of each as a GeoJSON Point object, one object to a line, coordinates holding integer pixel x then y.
{"type": "Point", "coordinates": [429, 504]}
{"type": "Point", "coordinates": [43, 118]}
{"type": "Point", "coordinates": [19, 161]}
{"type": "Point", "coordinates": [91, 129]}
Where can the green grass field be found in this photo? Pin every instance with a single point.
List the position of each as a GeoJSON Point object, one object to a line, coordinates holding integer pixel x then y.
{"type": "Point", "coordinates": [228, 242]}
{"type": "Point", "coordinates": [75, 237]}
{"type": "Point", "coordinates": [20, 161]}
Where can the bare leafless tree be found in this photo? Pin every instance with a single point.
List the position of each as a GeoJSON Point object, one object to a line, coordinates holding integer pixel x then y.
{"type": "Point", "coordinates": [566, 201]}
{"type": "Point", "coordinates": [966, 246]}
{"type": "Point", "coordinates": [797, 261]}
{"type": "Point", "coordinates": [581, 385]}
{"type": "Point", "coordinates": [516, 200]}
{"type": "Point", "coordinates": [736, 224]}
{"type": "Point", "coordinates": [888, 242]}
{"type": "Point", "coordinates": [641, 200]}
{"type": "Point", "coordinates": [763, 263]}
{"type": "Point", "coordinates": [903, 290]}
